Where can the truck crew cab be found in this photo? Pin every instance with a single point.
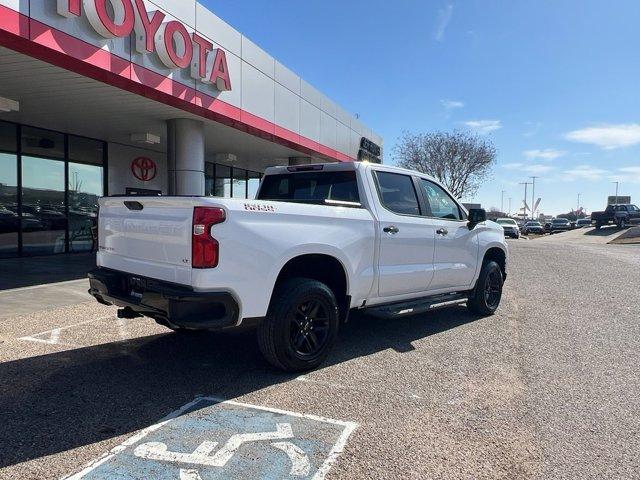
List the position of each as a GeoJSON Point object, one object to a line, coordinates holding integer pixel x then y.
{"type": "Point", "coordinates": [319, 241]}
{"type": "Point", "coordinates": [621, 215]}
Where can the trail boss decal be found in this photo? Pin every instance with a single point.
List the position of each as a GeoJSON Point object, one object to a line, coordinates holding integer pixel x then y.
{"type": "Point", "coordinates": [254, 207]}
{"type": "Point", "coordinates": [176, 48]}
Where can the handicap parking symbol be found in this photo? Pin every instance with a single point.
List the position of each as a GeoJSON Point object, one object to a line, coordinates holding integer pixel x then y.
{"type": "Point", "coordinates": [211, 438]}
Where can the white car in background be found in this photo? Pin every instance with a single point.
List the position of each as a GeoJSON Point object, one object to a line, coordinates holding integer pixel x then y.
{"type": "Point", "coordinates": [510, 227]}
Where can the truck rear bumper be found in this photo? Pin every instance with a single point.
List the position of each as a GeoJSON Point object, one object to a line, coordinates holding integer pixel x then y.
{"type": "Point", "coordinates": [173, 305]}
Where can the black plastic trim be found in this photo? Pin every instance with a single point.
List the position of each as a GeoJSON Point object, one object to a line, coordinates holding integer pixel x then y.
{"type": "Point", "coordinates": [167, 302]}
{"type": "Point", "coordinates": [415, 306]}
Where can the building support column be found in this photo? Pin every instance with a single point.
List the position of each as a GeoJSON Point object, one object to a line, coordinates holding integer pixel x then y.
{"type": "Point", "coordinates": [185, 156]}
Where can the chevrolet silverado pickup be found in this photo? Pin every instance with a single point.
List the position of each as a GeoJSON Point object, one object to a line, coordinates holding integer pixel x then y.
{"type": "Point", "coordinates": [318, 242]}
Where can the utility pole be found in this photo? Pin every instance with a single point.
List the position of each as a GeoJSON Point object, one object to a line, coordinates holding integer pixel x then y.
{"type": "Point", "coordinates": [578, 208]}
{"type": "Point", "coordinates": [502, 202]}
{"type": "Point", "coordinates": [524, 206]}
{"type": "Point", "coordinates": [533, 198]}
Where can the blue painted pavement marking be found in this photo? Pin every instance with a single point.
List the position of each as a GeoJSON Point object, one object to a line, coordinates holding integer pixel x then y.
{"type": "Point", "coordinates": [215, 439]}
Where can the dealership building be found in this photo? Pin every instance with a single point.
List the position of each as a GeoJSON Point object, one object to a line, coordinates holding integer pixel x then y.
{"type": "Point", "coordinates": [116, 97]}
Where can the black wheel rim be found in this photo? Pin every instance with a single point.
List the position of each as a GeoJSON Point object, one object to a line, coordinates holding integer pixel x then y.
{"type": "Point", "coordinates": [493, 289]}
{"type": "Point", "coordinates": [309, 328]}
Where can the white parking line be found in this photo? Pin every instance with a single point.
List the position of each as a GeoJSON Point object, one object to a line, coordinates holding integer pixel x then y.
{"type": "Point", "coordinates": [132, 441]}
{"type": "Point", "coordinates": [300, 461]}
{"type": "Point", "coordinates": [52, 337]}
{"type": "Point", "coordinates": [306, 379]}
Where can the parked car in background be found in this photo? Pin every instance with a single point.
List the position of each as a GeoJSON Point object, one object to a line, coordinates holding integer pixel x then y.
{"type": "Point", "coordinates": [533, 228]}
{"type": "Point", "coordinates": [318, 241]}
{"type": "Point", "coordinates": [510, 227]}
{"type": "Point", "coordinates": [621, 215]}
{"type": "Point", "coordinates": [559, 225]}
{"type": "Point", "coordinates": [583, 223]}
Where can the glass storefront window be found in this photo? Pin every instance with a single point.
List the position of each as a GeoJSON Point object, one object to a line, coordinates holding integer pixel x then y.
{"type": "Point", "coordinates": [43, 143]}
{"type": "Point", "coordinates": [223, 181]}
{"type": "Point", "coordinates": [54, 207]}
{"type": "Point", "coordinates": [239, 183]}
{"type": "Point", "coordinates": [9, 219]}
{"type": "Point", "coordinates": [86, 150]}
{"type": "Point", "coordinates": [85, 187]}
{"type": "Point", "coordinates": [44, 222]}
{"type": "Point", "coordinates": [8, 137]}
{"type": "Point", "coordinates": [209, 179]}
{"type": "Point", "coordinates": [253, 184]}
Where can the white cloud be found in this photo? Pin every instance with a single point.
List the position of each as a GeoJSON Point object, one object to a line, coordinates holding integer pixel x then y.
{"type": "Point", "coordinates": [538, 168]}
{"type": "Point", "coordinates": [632, 170]}
{"type": "Point", "coordinates": [586, 172]}
{"type": "Point", "coordinates": [451, 104]}
{"type": "Point", "coordinates": [444, 17]}
{"type": "Point", "coordinates": [546, 154]}
{"type": "Point", "coordinates": [608, 137]}
{"type": "Point", "coordinates": [628, 175]}
{"type": "Point", "coordinates": [534, 169]}
{"type": "Point", "coordinates": [484, 127]}
{"type": "Point", "coordinates": [513, 166]}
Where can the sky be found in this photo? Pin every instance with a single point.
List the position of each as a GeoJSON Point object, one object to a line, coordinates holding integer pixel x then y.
{"type": "Point", "coordinates": [554, 84]}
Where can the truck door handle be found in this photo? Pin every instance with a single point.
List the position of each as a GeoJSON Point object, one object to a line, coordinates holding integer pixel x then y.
{"type": "Point", "coordinates": [392, 230]}
{"type": "Point", "coordinates": [442, 231]}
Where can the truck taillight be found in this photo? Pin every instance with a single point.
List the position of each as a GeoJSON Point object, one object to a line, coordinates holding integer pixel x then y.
{"type": "Point", "coordinates": [205, 250]}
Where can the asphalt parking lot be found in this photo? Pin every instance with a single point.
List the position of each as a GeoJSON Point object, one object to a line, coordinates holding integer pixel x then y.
{"type": "Point", "coordinates": [546, 388]}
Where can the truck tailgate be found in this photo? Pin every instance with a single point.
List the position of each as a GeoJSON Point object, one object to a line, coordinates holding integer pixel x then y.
{"type": "Point", "coordinates": [147, 236]}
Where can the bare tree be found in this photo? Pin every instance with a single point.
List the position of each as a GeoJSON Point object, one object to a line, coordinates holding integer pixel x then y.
{"type": "Point", "coordinates": [460, 160]}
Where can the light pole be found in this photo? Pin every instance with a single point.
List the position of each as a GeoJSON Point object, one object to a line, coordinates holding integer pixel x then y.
{"type": "Point", "coordinates": [533, 197]}
{"type": "Point", "coordinates": [509, 207]}
{"type": "Point", "coordinates": [502, 201]}
{"type": "Point", "coordinates": [526, 185]}
{"type": "Point", "coordinates": [617, 187]}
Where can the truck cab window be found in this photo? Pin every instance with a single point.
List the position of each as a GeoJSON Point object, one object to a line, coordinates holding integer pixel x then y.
{"type": "Point", "coordinates": [440, 202]}
{"type": "Point", "coordinates": [397, 193]}
{"type": "Point", "coordinates": [320, 188]}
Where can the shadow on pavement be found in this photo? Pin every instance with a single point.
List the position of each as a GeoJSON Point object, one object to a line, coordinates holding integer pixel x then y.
{"type": "Point", "coordinates": [603, 232]}
{"type": "Point", "coordinates": [29, 271]}
{"type": "Point", "coordinates": [57, 402]}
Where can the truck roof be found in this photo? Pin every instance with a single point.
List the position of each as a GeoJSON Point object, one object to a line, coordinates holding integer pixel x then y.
{"type": "Point", "coordinates": [341, 167]}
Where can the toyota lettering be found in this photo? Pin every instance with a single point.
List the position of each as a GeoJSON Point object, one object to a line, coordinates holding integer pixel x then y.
{"type": "Point", "coordinates": [176, 48]}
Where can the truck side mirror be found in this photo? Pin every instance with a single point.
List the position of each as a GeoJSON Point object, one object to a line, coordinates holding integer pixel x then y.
{"type": "Point", "coordinates": [476, 216]}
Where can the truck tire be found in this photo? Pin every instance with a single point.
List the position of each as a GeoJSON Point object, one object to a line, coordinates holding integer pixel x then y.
{"type": "Point", "coordinates": [598, 225]}
{"type": "Point", "coordinates": [485, 298]}
{"type": "Point", "coordinates": [301, 325]}
{"type": "Point", "coordinates": [622, 223]}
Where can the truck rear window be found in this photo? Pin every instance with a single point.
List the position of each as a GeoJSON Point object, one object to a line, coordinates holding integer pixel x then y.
{"type": "Point", "coordinates": [321, 188]}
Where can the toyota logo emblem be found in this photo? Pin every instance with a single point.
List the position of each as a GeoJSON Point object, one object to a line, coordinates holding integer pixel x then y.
{"type": "Point", "coordinates": [144, 169]}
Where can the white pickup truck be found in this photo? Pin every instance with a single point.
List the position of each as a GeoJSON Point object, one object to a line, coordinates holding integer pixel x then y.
{"type": "Point", "coordinates": [318, 242]}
